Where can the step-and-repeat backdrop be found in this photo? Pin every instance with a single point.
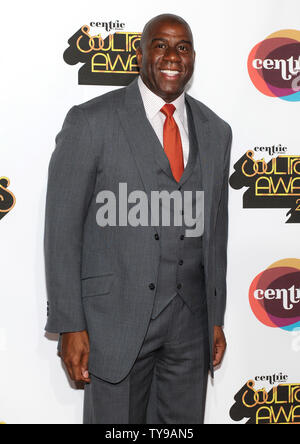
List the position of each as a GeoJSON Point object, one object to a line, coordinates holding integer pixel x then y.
{"type": "Point", "coordinates": [60, 53]}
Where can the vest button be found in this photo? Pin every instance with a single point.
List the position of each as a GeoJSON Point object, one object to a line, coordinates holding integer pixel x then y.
{"type": "Point", "coordinates": [179, 286]}
{"type": "Point", "coordinates": [156, 236]}
{"type": "Point", "coordinates": [152, 287]}
{"type": "Point", "coordinates": [180, 262]}
{"type": "Point", "coordinates": [182, 237]}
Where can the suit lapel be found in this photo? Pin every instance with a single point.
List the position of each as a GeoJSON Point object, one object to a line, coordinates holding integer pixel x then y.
{"type": "Point", "coordinates": [202, 130]}
{"type": "Point", "coordinates": [193, 147]}
{"type": "Point", "coordinates": [140, 136]}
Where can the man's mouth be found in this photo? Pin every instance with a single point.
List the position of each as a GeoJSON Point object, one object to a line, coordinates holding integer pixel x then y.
{"type": "Point", "coordinates": [170, 73]}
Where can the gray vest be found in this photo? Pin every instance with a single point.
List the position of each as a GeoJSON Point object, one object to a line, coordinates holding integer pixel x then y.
{"type": "Point", "coordinates": [181, 262]}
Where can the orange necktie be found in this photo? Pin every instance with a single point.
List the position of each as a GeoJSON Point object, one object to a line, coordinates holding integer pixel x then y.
{"type": "Point", "coordinates": [172, 142]}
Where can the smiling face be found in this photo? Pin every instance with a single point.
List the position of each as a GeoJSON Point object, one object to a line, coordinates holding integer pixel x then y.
{"type": "Point", "coordinates": [166, 57]}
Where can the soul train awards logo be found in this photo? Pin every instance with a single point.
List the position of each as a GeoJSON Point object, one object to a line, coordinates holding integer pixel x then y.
{"type": "Point", "coordinates": [274, 295]}
{"type": "Point", "coordinates": [275, 184]}
{"type": "Point", "coordinates": [106, 61]}
{"type": "Point", "coordinates": [7, 199]}
{"type": "Point", "coordinates": [281, 405]}
{"type": "Point", "coordinates": [274, 65]}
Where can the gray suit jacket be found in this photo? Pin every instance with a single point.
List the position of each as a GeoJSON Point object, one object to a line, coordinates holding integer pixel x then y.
{"type": "Point", "coordinates": [99, 278]}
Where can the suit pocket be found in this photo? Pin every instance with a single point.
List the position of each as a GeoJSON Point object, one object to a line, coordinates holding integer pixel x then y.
{"type": "Point", "coordinates": [96, 286]}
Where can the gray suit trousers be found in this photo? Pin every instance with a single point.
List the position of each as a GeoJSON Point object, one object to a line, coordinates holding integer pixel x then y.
{"type": "Point", "coordinates": [168, 381]}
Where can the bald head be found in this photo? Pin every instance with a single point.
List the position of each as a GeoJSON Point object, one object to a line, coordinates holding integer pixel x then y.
{"type": "Point", "coordinates": [161, 19]}
{"type": "Point", "coordinates": [166, 56]}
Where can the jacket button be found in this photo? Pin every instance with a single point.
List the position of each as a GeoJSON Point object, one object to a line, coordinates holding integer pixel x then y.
{"type": "Point", "coordinates": [182, 237]}
{"type": "Point", "coordinates": [180, 262]}
{"type": "Point", "coordinates": [156, 236]}
{"type": "Point", "coordinates": [179, 286]}
{"type": "Point", "coordinates": [152, 287]}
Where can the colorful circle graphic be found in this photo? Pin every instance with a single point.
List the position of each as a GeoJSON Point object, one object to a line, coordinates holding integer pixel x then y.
{"type": "Point", "coordinates": [274, 65]}
{"type": "Point", "coordinates": [275, 295]}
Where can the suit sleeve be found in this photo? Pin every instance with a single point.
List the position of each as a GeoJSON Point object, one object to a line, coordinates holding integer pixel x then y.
{"type": "Point", "coordinates": [221, 238]}
{"type": "Point", "coordinates": [71, 180]}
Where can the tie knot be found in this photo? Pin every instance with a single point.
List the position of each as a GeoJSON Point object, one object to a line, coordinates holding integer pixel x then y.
{"type": "Point", "coordinates": [168, 110]}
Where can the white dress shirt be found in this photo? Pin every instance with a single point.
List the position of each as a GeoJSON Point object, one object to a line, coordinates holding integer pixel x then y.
{"type": "Point", "coordinates": [153, 105]}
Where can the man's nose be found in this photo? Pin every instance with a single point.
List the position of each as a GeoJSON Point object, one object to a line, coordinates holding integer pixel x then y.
{"type": "Point", "coordinates": [172, 54]}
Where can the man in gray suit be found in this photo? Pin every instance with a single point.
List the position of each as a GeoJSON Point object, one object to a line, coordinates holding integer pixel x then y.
{"type": "Point", "coordinates": [140, 308]}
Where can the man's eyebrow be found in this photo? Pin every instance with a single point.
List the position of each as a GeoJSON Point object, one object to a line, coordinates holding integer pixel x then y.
{"type": "Point", "coordinates": [186, 41]}
{"type": "Point", "coordinates": [161, 39]}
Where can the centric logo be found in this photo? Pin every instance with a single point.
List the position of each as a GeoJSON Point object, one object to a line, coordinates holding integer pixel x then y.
{"type": "Point", "coordinates": [274, 65]}
{"type": "Point", "coordinates": [275, 295]}
{"type": "Point", "coordinates": [278, 406]}
{"type": "Point", "coordinates": [106, 61]}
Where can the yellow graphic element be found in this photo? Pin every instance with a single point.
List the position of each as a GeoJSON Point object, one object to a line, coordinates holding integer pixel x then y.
{"type": "Point", "coordinates": [86, 29]}
{"type": "Point", "coordinates": [102, 61]}
{"type": "Point", "coordinates": [286, 33]}
{"type": "Point", "coordinates": [288, 413]}
{"type": "Point", "coordinates": [290, 263]}
{"type": "Point", "coordinates": [109, 68]}
{"type": "Point", "coordinates": [4, 194]}
{"type": "Point", "coordinates": [274, 186]}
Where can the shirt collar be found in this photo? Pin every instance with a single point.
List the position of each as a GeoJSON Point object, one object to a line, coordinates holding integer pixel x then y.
{"type": "Point", "coordinates": [154, 103]}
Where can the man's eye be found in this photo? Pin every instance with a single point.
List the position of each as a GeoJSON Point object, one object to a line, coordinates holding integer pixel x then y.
{"type": "Point", "coordinates": [161, 45]}
{"type": "Point", "coordinates": [183, 48]}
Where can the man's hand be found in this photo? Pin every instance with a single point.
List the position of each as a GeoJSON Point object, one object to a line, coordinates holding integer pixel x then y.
{"type": "Point", "coordinates": [75, 354]}
{"type": "Point", "coordinates": [219, 345]}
